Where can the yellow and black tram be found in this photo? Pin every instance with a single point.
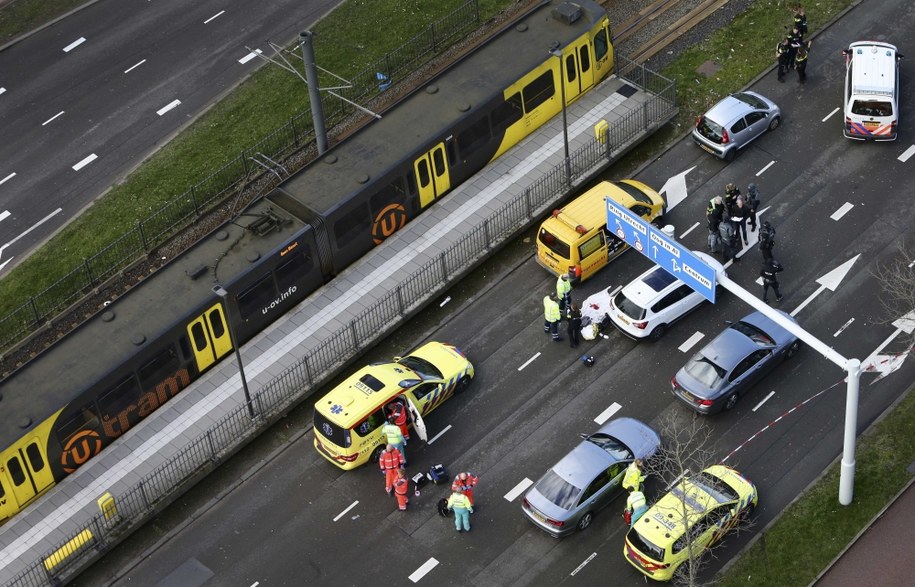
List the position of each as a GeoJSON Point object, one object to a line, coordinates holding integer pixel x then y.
{"type": "Point", "coordinates": [67, 404]}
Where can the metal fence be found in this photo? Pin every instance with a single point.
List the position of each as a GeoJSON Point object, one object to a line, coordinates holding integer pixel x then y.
{"type": "Point", "coordinates": [215, 187]}
{"type": "Point", "coordinates": [298, 381]}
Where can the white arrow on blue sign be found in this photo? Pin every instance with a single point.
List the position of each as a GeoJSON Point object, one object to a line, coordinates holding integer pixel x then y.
{"type": "Point", "coordinates": [663, 250]}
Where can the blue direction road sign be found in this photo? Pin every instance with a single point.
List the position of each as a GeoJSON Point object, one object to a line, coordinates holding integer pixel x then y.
{"type": "Point", "coordinates": [663, 250]}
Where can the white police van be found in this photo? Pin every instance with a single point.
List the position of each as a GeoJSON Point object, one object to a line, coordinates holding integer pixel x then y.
{"type": "Point", "coordinates": [871, 91]}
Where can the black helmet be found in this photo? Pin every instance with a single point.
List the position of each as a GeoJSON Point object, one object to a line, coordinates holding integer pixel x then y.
{"type": "Point", "coordinates": [766, 224]}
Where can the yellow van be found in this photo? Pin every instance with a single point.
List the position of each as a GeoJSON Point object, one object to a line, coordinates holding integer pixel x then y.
{"type": "Point", "coordinates": [348, 420]}
{"type": "Point", "coordinates": [575, 239]}
{"type": "Point", "coordinates": [708, 504]}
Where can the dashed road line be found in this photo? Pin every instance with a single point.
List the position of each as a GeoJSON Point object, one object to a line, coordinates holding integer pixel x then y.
{"type": "Point", "coordinates": [52, 118]}
{"type": "Point", "coordinates": [844, 326]}
{"type": "Point", "coordinates": [85, 162]}
{"type": "Point", "coordinates": [7, 178]}
{"type": "Point", "coordinates": [2, 90]}
{"type": "Point", "coordinates": [828, 116]}
{"type": "Point", "coordinates": [606, 414]}
{"type": "Point", "coordinates": [691, 342]}
{"type": "Point", "coordinates": [214, 17]}
{"type": "Point", "coordinates": [582, 565]}
{"type": "Point", "coordinates": [74, 44]}
{"type": "Point", "coordinates": [518, 489]}
{"type": "Point", "coordinates": [425, 568]}
{"type": "Point", "coordinates": [134, 66]}
{"type": "Point", "coordinates": [529, 361]}
{"type": "Point", "coordinates": [437, 436]}
{"type": "Point", "coordinates": [249, 56]}
{"type": "Point", "coordinates": [4, 215]}
{"type": "Point", "coordinates": [907, 154]}
{"type": "Point", "coordinates": [171, 105]}
{"type": "Point", "coordinates": [763, 170]}
{"type": "Point", "coordinates": [842, 211]}
{"type": "Point", "coordinates": [764, 400]}
{"type": "Point", "coordinates": [344, 512]}
{"type": "Point", "coordinates": [689, 230]}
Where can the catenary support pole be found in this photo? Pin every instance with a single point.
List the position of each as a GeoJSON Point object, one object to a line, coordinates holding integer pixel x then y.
{"type": "Point", "coordinates": [314, 91]}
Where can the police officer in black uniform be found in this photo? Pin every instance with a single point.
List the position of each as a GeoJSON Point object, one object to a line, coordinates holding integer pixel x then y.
{"type": "Point", "coordinates": [783, 54]}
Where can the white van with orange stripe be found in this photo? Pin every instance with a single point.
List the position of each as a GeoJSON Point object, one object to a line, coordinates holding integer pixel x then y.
{"type": "Point", "coordinates": [871, 91]}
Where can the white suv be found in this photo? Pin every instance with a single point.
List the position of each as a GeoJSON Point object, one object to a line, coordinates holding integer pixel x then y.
{"type": "Point", "coordinates": [652, 302]}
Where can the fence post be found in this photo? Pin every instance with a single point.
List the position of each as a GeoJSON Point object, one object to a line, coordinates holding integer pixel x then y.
{"type": "Point", "coordinates": [434, 43]}
{"type": "Point", "coordinates": [142, 236]}
{"type": "Point", "coordinates": [35, 311]}
{"type": "Point", "coordinates": [295, 134]}
{"type": "Point", "coordinates": [88, 272]}
{"type": "Point", "coordinates": [103, 544]}
{"type": "Point", "coordinates": [143, 493]}
{"type": "Point", "coordinates": [486, 233]}
{"type": "Point", "coordinates": [213, 457]}
{"type": "Point", "coordinates": [352, 328]}
{"type": "Point", "coordinates": [308, 376]}
{"type": "Point", "coordinates": [400, 307]}
{"type": "Point", "coordinates": [444, 267]}
{"type": "Point", "coordinates": [259, 408]}
{"type": "Point", "coordinates": [244, 162]}
{"type": "Point", "coordinates": [527, 203]}
{"type": "Point", "coordinates": [193, 191]}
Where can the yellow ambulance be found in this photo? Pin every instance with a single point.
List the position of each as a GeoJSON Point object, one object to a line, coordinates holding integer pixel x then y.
{"type": "Point", "coordinates": [348, 420]}
{"type": "Point", "coordinates": [575, 239]}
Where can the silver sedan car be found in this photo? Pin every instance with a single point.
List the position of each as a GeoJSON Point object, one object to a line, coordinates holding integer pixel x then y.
{"type": "Point", "coordinates": [733, 123]}
{"type": "Point", "coordinates": [716, 376]}
{"type": "Point", "coordinates": [566, 498]}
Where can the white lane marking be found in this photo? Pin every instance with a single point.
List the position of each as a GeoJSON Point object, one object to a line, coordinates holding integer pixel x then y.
{"type": "Point", "coordinates": [134, 66]}
{"type": "Point", "coordinates": [2, 90]}
{"type": "Point", "coordinates": [445, 301]}
{"type": "Point", "coordinates": [519, 489]}
{"type": "Point", "coordinates": [249, 56]}
{"type": "Point", "coordinates": [436, 437]}
{"type": "Point", "coordinates": [7, 178]}
{"type": "Point", "coordinates": [829, 115]}
{"type": "Point", "coordinates": [529, 361]}
{"type": "Point", "coordinates": [763, 170]}
{"type": "Point", "coordinates": [582, 565]}
{"type": "Point", "coordinates": [691, 342]}
{"type": "Point", "coordinates": [4, 215]}
{"type": "Point", "coordinates": [764, 400]}
{"type": "Point", "coordinates": [842, 211]}
{"type": "Point", "coordinates": [85, 162]}
{"type": "Point", "coordinates": [255, 584]}
{"type": "Point", "coordinates": [421, 571]}
{"type": "Point", "coordinates": [844, 326]}
{"type": "Point", "coordinates": [167, 107]}
{"type": "Point", "coordinates": [343, 513]}
{"type": "Point", "coordinates": [214, 17]}
{"type": "Point", "coordinates": [907, 153]}
{"type": "Point", "coordinates": [52, 118]}
{"type": "Point", "coordinates": [74, 44]}
{"type": "Point", "coordinates": [605, 415]}
{"type": "Point", "coordinates": [689, 230]}
{"type": "Point", "coordinates": [33, 227]}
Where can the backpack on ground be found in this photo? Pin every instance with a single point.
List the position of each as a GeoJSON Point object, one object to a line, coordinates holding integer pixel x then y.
{"type": "Point", "coordinates": [442, 507]}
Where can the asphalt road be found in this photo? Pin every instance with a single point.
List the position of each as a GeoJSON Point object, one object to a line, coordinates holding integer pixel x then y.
{"type": "Point", "coordinates": [296, 519]}
{"type": "Point", "coordinates": [85, 100]}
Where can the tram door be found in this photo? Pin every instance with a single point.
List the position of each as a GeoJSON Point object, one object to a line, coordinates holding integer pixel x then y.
{"type": "Point", "coordinates": [209, 336]}
{"type": "Point", "coordinates": [432, 176]}
{"type": "Point", "coordinates": [27, 471]}
{"type": "Point", "coordinates": [578, 73]}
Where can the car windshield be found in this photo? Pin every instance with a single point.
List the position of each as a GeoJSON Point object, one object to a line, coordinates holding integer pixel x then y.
{"type": "Point", "coordinates": [628, 307]}
{"type": "Point", "coordinates": [559, 247]}
{"type": "Point", "coordinates": [558, 490]}
{"type": "Point", "coordinates": [423, 368]}
{"type": "Point", "coordinates": [872, 108]}
{"type": "Point", "coordinates": [710, 129]}
{"type": "Point", "coordinates": [717, 488]}
{"type": "Point", "coordinates": [754, 333]}
{"type": "Point", "coordinates": [705, 371]}
{"type": "Point", "coordinates": [612, 446]}
{"type": "Point", "coordinates": [752, 100]}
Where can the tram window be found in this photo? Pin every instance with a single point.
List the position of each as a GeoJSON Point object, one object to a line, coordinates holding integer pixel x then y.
{"type": "Point", "coordinates": [473, 138]}
{"type": "Point", "coordinates": [200, 337]}
{"type": "Point", "coordinates": [35, 459]}
{"type": "Point", "coordinates": [160, 367]}
{"type": "Point", "coordinates": [438, 163]}
{"type": "Point", "coordinates": [584, 58]}
{"type": "Point", "coordinates": [16, 473]}
{"type": "Point", "coordinates": [571, 70]}
{"type": "Point", "coordinates": [85, 417]}
{"type": "Point", "coordinates": [292, 270]}
{"type": "Point", "coordinates": [217, 323]}
{"type": "Point", "coordinates": [507, 113]}
{"type": "Point", "coordinates": [256, 297]}
{"type": "Point", "coordinates": [601, 45]}
{"type": "Point", "coordinates": [2, 490]}
{"type": "Point", "coordinates": [356, 221]}
{"type": "Point", "coordinates": [538, 91]}
{"type": "Point", "coordinates": [117, 399]}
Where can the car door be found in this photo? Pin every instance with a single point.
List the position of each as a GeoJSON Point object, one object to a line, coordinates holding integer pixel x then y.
{"type": "Point", "coordinates": [750, 370]}
{"type": "Point", "coordinates": [418, 424]}
{"type": "Point", "coordinates": [757, 122]}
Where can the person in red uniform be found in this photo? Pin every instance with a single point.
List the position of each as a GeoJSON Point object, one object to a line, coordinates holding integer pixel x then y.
{"type": "Point", "coordinates": [464, 483]}
{"type": "Point", "coordinates": [397, 411]}
{"type": "Point", "coordinates": [400, 489]}
{"type": "Point", "coordinates": [391, 460]}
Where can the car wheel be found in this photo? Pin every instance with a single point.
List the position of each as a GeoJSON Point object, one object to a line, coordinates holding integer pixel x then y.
{"type": "Point", "coordinates": [463, 384]}
{"type": "Point", "coordinates": [773, 124]}
{"type": "Point", "coordinates": [376, 454]}
{"type": "Point", "coordinates": [732, 401]}
{"type": "Point", "coordinates": [730, 155]}
{"type": "Point", "coordinates": [657, 333]}
{"type": "Point", "coordinates": [792, 350]}
{"type": "Point", "coordinates": [585, 521]}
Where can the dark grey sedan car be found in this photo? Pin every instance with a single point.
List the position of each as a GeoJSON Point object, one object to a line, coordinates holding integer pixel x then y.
{"type": "Point", "coordinates": [716, 376]}
{"type": "Point", "coordinates": [588, 478]}
{"type": "Point", "coordinates": [736, 121]}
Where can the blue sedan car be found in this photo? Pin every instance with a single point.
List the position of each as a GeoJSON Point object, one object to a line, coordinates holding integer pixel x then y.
{"type": "Point", "coordinates": [727, 367]}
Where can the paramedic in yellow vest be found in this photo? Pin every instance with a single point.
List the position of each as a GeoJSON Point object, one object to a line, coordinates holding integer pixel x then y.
{"type": "Point", "coordinates": [462, 509]}
{"type": "Point", "coordinates": [632, 480]}
{"type": "Point", "coordinates": [395, 438]}
{"type": "Point", "coordinates": [551, 316]}
{"type": "Point", "coordinates": [564, 293]}
{"type": "Point", "coordinates": [636, 506]}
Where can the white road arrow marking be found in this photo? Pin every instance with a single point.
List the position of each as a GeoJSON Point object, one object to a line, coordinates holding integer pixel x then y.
{"type": "Point", "coordinates": [886, 364]}
{"type": "Point", "coordinates": [675, 188]}
{"type": "Point", "coordinates": [829, 281]}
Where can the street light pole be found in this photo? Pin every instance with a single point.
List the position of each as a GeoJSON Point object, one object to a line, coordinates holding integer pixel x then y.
{"type": "Point", "coordinates": [565, 123]}
{"type": "Point", "coordinates": [224, 295]}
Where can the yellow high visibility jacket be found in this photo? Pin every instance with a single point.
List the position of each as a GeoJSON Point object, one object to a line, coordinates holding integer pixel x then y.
{"type": "Point", "coordinates": [393, 433]}
{"type": "Point", "coordinates": [551, 310]}
{"type": "Point", "coordinates": [459, 500]}
{"type": "Point", "coordinates": [633, 477]}
{"type": "Point", "coordinates": [563, 286]}
{"type": "Point", "coordinates": [635, 501]}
